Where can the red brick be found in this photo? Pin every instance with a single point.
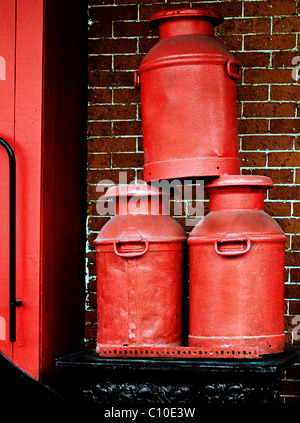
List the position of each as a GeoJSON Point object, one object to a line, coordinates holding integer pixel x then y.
{"type": "Point", "coordinates": [127, 128]}
{"type": "Point", "coordinates": [294, 308]}
{"type": "Point", "coordinates": [270, 42]}
{"type": "Point", "coordinates": [90, 344]}
{"type": "Point", "coordinates": [140, 146]}
{"type": "Point", "coordinates": [268, 109]}
{"type": "Point", "coordinates": [91, 258]}
{"type": "Point", "coordinates": [252, 93]}
{"type": "Point", "coordinates": [91, 299]}
{"type": "Point", "coordinates": [112, 45]}
{"type": "Point", "coordinates": [92, 196]}
{"type": "Point", "coordinates": [286, 24]}
{"type": "Point", "coordinates": [126, 95]}
{"type": "Point", "coordinates": [100, 29]}
{"type": "Point", "coordinates": [285, 92]}
{"type": "Point", "coordinates": [292, 258]}
{"type": "Point", "coordinates": [290, 226]}
{"type": "Point", "coordinates": [295, 274]}
{"type": "Point", "coordinates": [284, 159]}
{"type": "Point", "coordinates": [95, 176]}
{"type": "Point", "coordinates": [290, 387]}
{"type": "Point", "coordinates": [140, 174]}
{"type": "Point", "coordinates": [296, 209]}
{"type": "Point", "coordinates": [138, 1]}
{"type": "Point", "coordinates": [111, 112]}
{"type": "Point", "coordinates": [231, 42]}
{"type": "Point", "coordinates": [146, 44]}
{"type": "Point", "coordinates": [293, 372]}
{"type": "Point", "coordinates": [91, 316]}
{"type": "Point", "coordinates": [253, 59]}
{"type": "Point", "coordinates": [99, 95]}
{"type": "Point", "coordinates": [284, 126]}
{"type": "Point", "coordinates": [146, 11]}
{"type": "Point", "coordinates": [133, 29]}
{"type": "Point", "coordinates": [297, 178]}
{"type": "Point", "coordinates": [128, 61]}
{"type": "Point", "coordinates": [92, 283]}
{"type": "Point", "coordinates": [288, 325]}
{"type": "Point", "coordinates": [292, 291]}
{"type": "Point", "coordinates": [275, 208]}
{"type": "Point", "coordinates": [113, 13]}
{"type": "Point", "coordinates": [98, 129]}
{"type": "Point", "coordinates": [226, 8]}
{"type": "Point", "coordinates": [99, 62]}
{"type": "Point", "coordinates": [90, 329]}
{"type": "Point", "coordinates": [277, 175]}
{"type": "Point", "coordinates": [97, 222]}
{"type": "Point", "coordinates": [252, 126]}
{"type": "Point", "coordinates": [98, 161]}
{"type": "Point", "coordinates": [295, 243]}
{"type": "Point", "coordinates": [269, 8]}
{"type": "Point", "coordinates": [245, 26]}
{"type": "Point", "coordinates": [127, 160]}
{"type": "Point", "coordinates": [283, 58]}
{"type": "Point", "coordinates": [267, 76]}
{"type": "Point", "coordinates": [115, 144]}
{"type": "Point", "coordinates": [100, 2]}
{"type": "Point", "coordinates": [284, 192]}
{"type": "Point", "coordinates": [267, 142]}
{"type": "Point", "coordinates": [255, 159]}
{"type": "Point", "coordinates": [90, 208]}
{"type": "Point", "coordinates": [111, 79]}
{"type": "Point", "coordinates": [286, 274]}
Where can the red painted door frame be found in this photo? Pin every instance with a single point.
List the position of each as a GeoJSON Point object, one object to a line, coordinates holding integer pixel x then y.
{"type": "Point", "coordinates": [35, 102]}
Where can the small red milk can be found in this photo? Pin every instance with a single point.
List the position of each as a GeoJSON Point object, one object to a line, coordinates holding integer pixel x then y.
{"type": "Point", "coordinates": [140, 262]}
{"type": "Point", "coordinates": [237, 270]}
{"type": "Point", "coordinates": [188, 97]}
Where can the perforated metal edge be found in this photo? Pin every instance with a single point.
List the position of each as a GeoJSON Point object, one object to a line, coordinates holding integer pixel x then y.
{"type": "Point", "coordinates": [179, 352]}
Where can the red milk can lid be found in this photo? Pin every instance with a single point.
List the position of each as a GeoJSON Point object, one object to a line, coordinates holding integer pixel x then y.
{"type": "Point", "coordinates": [240, 180]}
{"type": "Point", "coordinates": [215, 16]}
{"type": "Point", "coordinates": [131, 190]}
{"type": "Point", "coordinates": [129, 227]}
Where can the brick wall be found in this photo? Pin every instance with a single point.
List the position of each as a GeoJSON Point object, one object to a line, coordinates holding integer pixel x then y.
{"type": "Point", "coordinates": [263, 35]}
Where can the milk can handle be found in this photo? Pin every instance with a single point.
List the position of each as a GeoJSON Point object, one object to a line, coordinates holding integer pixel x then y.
{"type": "Point", "coordinates": [233, 252]}
{"type": "Point", "coordinates": [132, 253]}
{"type": "Point", "coordinates": [13, 302]}
{"type": "Point", "coordinates": [237, 66]}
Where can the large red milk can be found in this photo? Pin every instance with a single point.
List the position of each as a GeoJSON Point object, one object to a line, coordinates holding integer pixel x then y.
{"type": "Point", "coordinates": [237, 271]}
{"type": "Point", "coordinates": [188, 96]}
{"type": "Point", "coordinates": [140, 263]}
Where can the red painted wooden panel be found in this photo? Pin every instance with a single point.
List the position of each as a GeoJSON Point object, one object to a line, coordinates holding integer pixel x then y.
{"type": "Point", "coordinates": [7, 85]}
{"type": "Point", "coordinates": [41, 114]}
{"type": "Point", "coordinates": [28, 127]}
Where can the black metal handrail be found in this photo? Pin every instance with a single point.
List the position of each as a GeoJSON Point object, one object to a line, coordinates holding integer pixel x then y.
{"type": "Point", "coordinates": [13, 303]}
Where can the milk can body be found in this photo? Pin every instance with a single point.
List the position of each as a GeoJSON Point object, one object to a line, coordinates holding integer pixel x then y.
{"type": "Point", "coordinates": [188, 97]}
{"type": "Point", "coordinates": [237, 270]}
{"type": "Point", "coordinates": [140, 265]}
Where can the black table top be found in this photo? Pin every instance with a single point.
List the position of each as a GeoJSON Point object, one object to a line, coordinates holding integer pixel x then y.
{"type": "Point", "coordinates": [268, 363]}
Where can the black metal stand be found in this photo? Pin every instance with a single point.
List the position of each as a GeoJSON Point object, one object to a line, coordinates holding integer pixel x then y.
{"type": "Point", "coordinates": [175, 381]}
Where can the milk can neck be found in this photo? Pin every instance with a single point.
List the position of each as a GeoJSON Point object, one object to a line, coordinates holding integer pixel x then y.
{"type": "Point", "coordinates": [154, 205]}
{"type": "Point", "coordinates": [185, 26]}
{"type": "Point", "coordinates": [236, 198]}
